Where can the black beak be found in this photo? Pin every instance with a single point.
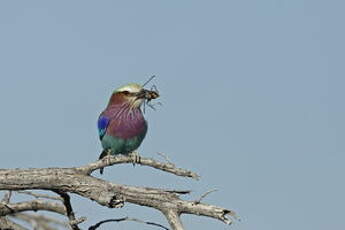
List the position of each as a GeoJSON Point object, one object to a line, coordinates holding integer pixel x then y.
{"type": "Point", "coordinates": [142, 94]}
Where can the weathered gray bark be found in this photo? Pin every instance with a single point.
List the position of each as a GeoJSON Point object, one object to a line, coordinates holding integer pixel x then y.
{"type": "Point", "coordinates": [6, 224]}
{"type": "Point", "coordinates": [79, 181]}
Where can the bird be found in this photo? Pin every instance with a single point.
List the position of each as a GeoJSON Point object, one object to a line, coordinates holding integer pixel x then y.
{"type": "Point", "coordinates": [122, 126]}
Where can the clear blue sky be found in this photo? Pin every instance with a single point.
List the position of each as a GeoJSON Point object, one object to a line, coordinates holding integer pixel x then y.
{"type": "Point", "coordinates": [253, 95]}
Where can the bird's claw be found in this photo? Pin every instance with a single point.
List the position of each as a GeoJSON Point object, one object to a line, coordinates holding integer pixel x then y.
{"type": "Point", "coordinates": [107, 159]}
{"type": "Point", "coordinates": [136, 159]}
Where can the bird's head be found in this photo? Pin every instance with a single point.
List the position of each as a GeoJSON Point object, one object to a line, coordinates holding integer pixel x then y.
{"type": "Point", "coordinates": [132, 94]}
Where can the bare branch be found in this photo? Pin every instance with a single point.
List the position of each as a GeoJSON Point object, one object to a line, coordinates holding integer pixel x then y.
{"type": "Point", "coordinates": [122, 159]}
{"type": "Point", "coordinates": [38, 204]}
{"type": "Point", "coordinates": [201, 209]}
{"type": "Point", "coordinates": [44, 221]}
{"type": "Point", "coordinates": [204, 195]}
{"type": "Point", "coordinates": [41, 219]}
{"type": "Point", "coordinates": [174, 219]}
{"type": "Point", "coordinates": [94, 227]}
{"type": "Point", "coordinates": [6, 224]}
{"type": "Point", "coordinates": [36, 223]}
{"type": "Point", "coordinates": [33, 205]}
{"type": "Point", "coordinates": [181, 192]}
{"type": "Point", "coordinates": [37, 195]}
{"type": "Point", "coordinates": [80, 182]}
{"type": "Point", "coordinates": [70, 214]}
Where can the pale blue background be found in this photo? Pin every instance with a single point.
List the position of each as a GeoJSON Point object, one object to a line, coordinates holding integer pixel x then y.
{"type": "Point", "coordinates": [253, 95]}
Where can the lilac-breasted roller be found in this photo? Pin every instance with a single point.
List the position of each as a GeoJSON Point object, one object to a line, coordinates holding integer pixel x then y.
{"type": "Point", "coordinates": [122, 126]}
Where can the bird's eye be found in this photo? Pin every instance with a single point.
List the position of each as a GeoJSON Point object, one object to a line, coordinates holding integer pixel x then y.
{"type": "Point", "coordinates": [126, 92]}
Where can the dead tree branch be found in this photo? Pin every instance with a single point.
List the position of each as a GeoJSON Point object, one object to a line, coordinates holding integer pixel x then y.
{"type": "Point", "coordinates": [79, 181]}
{"type": "Point", "coordinates": [36, 223]}
{"type": "Point", "coordinates": [121, 159]}
{"type": "Point", "coordinates": [69, 210]}
{"type": "Point", "coordinates": [94, 227]}
{"type": "Point", "coordinates": [46, 221]}
{"type": "Point", "coordinates": [204, 195]}
{"type": "Point", "coordinates": [33, 205]}
{"type": "Point", "coordinates": [37, 195]}
{"type": "Point", "coordinates": [6, 224]}
{"type": "Point", "coordinates": [174, 219]}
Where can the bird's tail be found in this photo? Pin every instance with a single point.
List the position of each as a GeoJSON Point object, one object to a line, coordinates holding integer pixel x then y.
{"type": "Point", "coordinates": [103, 154]}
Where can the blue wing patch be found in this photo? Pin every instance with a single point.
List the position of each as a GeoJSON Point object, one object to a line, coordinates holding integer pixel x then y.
{"type": "Point", "coordinates": [103, 123]}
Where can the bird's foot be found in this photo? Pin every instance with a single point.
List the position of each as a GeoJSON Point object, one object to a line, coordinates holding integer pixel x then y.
{"type": "Point", "coordinates": [136, 159]}
{"type": "Point", "coordinates": [108, 158]}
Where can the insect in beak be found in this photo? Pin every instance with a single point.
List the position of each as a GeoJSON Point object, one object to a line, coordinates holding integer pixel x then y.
{"type": "Point", "coordinates": [147, 94]}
